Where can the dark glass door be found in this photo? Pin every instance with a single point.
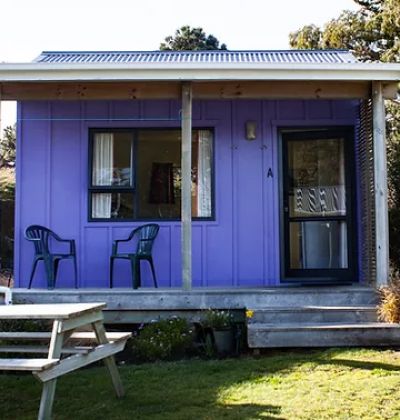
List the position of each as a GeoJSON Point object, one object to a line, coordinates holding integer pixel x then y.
{"type": "Point", "coordinates": [317, 206]}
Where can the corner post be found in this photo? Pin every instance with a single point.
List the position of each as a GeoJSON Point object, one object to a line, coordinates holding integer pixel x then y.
{"type": "Point", "coordinates": [381, 189]}
{"type": "Point", "coordinates": [186, 187]}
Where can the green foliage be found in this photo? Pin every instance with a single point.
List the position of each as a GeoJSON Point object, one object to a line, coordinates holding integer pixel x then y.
{"type": "Point", "coordinates": [307, 38]}
{"type": "Point", "coordinates": [163, 340]}
{"type": "Point", "coordinates": [191, 39]}
{"type": "Point", "coordinates": [7, 183]}
{"type": "Point", "coordinates": [217, 319]}
{"type": "Point", "coordinates": [8, 146]}
{"type": "Point", "coordinates": [27, 325]}
{"type": "Point", "coordinates": [372, 33]}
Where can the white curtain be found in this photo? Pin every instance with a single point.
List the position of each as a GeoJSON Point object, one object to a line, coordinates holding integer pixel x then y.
{"type": "Point", "coordinates": [103, 158]}
{"type": "Point", "coordinates": [204, 174]}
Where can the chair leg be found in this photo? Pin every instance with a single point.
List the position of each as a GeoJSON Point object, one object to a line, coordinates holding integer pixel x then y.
{"type": "Point", "coordinates": [153, 272]}
{"type": "Point", "coordinates": [75, 271]}
{"type": "Point", "coordinates": [111, 272]}
{"type": "Point", "coordinates": [48, 264]}
{"type": "Point", "coordinates": [33, 272]}
{"type": "Point", "coordinates": [56, 263]}
{"type": "Point", "coordinates": [135, 266]}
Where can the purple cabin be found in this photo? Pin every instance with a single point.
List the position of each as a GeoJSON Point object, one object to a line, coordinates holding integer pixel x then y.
{"type": "Point", "coordinates": [280, 189]}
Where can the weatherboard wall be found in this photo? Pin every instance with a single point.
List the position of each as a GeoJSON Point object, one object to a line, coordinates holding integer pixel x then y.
{"type": "Point", "coordinates": [239, 248]}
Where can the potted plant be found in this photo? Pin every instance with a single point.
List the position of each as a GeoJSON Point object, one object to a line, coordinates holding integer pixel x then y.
{"type": "Point", "coordinates": [220, 322]}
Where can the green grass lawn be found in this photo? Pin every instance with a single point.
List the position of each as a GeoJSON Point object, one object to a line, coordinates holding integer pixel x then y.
{"type": "Point", "coordinates": [330, 384]}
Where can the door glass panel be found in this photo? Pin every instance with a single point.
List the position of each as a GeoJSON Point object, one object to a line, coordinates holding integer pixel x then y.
{"type": "Point", "coordinates": [316, 178]}
{"type": "Point", "coordinates": [318, 245]}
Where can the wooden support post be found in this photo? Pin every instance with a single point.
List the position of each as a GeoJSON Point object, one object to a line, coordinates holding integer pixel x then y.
{"type": "Point", "coordinates": [49, 388]}
{"type": "Point", "coordinates": [1, 125]}
{"type": "Point", "coordinates": [381, 193]}
{"type": "Point", "coordinates": [186, 194]}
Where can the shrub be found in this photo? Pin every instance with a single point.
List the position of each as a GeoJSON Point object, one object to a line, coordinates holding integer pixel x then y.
{"type": "Point", "coordinates": [389, 306]}
{"type": "Point", "coordinates": [163, 340]}
{"type": "Point", "coordinates": [218, 319]}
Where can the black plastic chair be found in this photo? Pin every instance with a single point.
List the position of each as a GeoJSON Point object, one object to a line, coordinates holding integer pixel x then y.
{"type": "Point", "coordinates": [146, 235]}
{"type": "Point", "coordinates": [40, 236]}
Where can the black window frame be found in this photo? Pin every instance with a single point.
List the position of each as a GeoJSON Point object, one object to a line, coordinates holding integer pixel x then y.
{"type": "Point", "coordinates": [132, 189]}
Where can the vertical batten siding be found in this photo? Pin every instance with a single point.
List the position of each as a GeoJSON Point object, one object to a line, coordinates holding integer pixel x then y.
{"type": "Point", "coordinates": [239, 248]}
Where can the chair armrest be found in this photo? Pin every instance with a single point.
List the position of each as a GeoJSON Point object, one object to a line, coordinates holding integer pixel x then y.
{"type": "Point", "coordinates": [72, 248]}
{"type": "Point", "coordinates": [115, 245]}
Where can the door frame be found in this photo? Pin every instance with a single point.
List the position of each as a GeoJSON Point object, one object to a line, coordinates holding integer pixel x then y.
{"type": "Point", "coordinates": [319, 276]}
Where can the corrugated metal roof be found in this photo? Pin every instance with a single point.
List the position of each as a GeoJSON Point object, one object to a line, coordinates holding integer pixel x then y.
{"type": "Point", "coordinates": [218, 56]}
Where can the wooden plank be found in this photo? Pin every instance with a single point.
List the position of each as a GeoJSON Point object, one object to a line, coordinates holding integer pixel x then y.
{"type": "Point", "coordinates": [27, 364]}
{"type": "Point", "coordinates": [90, 90]}
{"type": "Point", "coordinates": [48, 311]}
{"type": "Point", "coordinates": [186, 192]}
{"type": "Point", "coordinates": [21, 335]}
{"type": "Point", "coordinates": [109, 361]}
{"type": "Point", "coordinates": [281, 90]}
{"type": "Point", "coordinates": [80, 335]}
{"type": "Point", "coordinates": [44, 349]}
{"type": "Point", "coordinates": [174, 299]}
{"type": "Point", "coordinates": [77, 361]}
{"type": "Point", "coordinates": [111, 336]}
{"type": "Point", "coordinates": [381, 193]}
{"type": "Point", "coordinates": [201, 90]}
{"type": "Point", "coordinates": [83, 320]}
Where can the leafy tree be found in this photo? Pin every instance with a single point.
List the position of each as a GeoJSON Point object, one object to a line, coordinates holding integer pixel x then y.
{"type": "Point", "coordinates": [8, 146]}
{"type": "Point", "coordinates": [372, 33]}
{"type": "Point", "coordinates": [191, 39]}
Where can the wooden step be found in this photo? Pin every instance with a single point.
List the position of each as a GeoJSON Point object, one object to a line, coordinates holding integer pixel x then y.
{"type": "Point", "coordinates": [263, 335]}
{"type": "Point", "coordinates": [315, 314]}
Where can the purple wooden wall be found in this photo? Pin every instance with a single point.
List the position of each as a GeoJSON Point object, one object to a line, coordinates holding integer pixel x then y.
{"type": "Point", "coordinates": [239, 248]}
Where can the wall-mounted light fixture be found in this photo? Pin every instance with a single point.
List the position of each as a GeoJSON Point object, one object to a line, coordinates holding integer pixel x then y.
{"type": "Point", "coordinates": [251, 130]}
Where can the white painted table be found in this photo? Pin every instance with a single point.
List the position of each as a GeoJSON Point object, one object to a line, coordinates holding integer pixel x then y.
{"type": "Point", "coordinates": [68, 320]}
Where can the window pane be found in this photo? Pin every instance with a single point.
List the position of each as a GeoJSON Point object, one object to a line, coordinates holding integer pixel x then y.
{"type": "Point", "coordinates": [159, 174]}
{"type": "Point", "coordinates": [318, 245]}
{"type": "Point", "coordinates": [316, 178]}
{"type": "Point", "coordinates": [112, 159]}
{"type": "Point", "coordinates": [112, 205]}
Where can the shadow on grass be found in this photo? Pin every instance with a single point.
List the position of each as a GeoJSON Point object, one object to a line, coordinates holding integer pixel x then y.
{"type": "Point", "coordinates": [359, 364]}
{"type": "Point", "coordinates": [194, 389]}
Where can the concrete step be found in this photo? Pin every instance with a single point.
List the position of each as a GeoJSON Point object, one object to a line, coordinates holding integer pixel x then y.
{"type": "Point", "coordinates": [262, 335]}
{"type": "Point", "coordinates": [315, 314]}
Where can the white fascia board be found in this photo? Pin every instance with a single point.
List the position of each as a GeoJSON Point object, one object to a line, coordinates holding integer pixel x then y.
{"type": "Point", "coordinates": [36, 72]}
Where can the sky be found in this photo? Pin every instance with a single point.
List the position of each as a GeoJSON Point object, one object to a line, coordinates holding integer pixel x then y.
{"type": "Point", "coordinates": [28, 27]}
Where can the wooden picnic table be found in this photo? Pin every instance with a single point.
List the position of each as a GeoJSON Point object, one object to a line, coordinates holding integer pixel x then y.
{"type": "Point", "coordinates": [68, 320]}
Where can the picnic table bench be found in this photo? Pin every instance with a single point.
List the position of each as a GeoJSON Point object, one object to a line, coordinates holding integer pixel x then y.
{"type": "Point", "coordinates": [66, 337]}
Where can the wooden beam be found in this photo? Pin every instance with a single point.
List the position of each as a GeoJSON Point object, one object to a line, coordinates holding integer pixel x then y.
{"type": "Point", "coordinates": [201, 90]}
{"type": "Point", "coordinates": [186, 201]}
{"type": "Point", "coordinates": [381, 194]}
{"type": "Point", "coordinates": [90, 90]}
{"type": "Point", "coordinates": [281, 90]}
{"type": "Point", "coordinates": [1, 134]}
